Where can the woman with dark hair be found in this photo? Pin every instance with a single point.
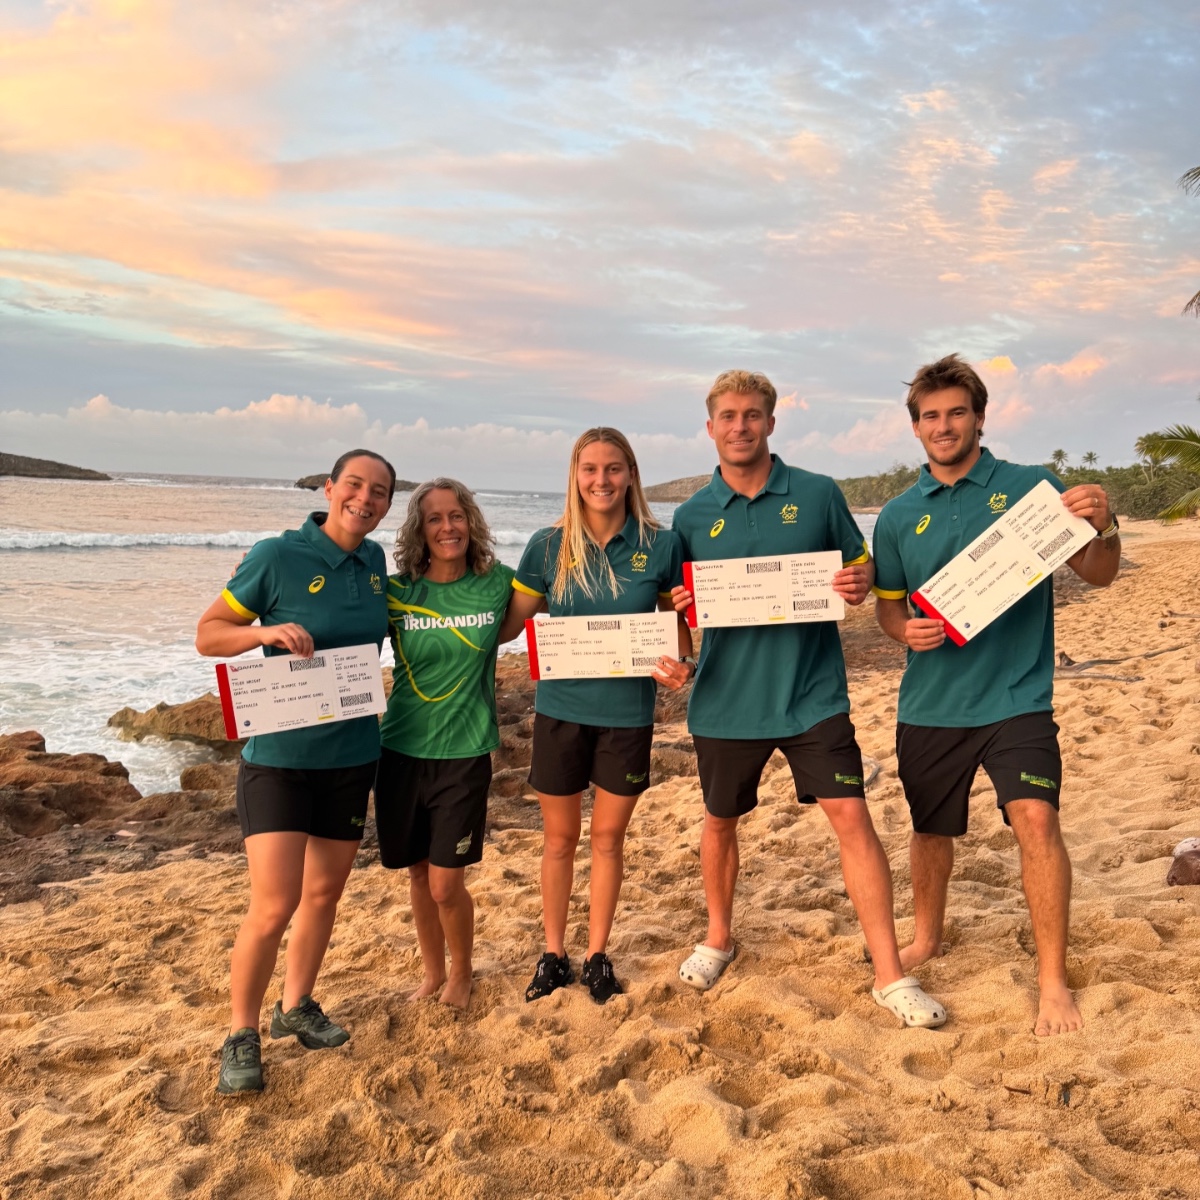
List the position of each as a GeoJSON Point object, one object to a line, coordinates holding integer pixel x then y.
{"type": "Point", "coordinates": [301, 793]}
{"type": "Point", "coordinates": [606, 555]}
{"type": "Point", "coordinates": [446, 605]}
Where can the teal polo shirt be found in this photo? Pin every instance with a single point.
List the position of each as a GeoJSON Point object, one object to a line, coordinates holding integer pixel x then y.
{"type": "Point", "coordinates": [1006, 670]}
{"type": "Point", "coordinates": [305, 578]}
{"type": "Point", "coordinates": [645, 571]}
{"type": "Point", "coordinates": [768, 681]}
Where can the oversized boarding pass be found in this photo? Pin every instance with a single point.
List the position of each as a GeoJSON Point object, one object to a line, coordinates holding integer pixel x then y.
{"type": "Point", "coordinates": [783, 590]}
{"type": "Point", "coordinates": [1005, 563]}
{"type": "Point", "coordinates": [607, 647]}
{"type": "Point", "coordinates": [285, 691]}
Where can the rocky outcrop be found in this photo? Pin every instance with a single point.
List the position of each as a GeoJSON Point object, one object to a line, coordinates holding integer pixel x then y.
{"type": "Point", "coordinates": [199, 721]}
{"type": "Point", "coordinates": [677, 490]}
{"type": "Point", "coordinates": [43, 468]}
{"type": "Point", "coordinates": [314, 483]}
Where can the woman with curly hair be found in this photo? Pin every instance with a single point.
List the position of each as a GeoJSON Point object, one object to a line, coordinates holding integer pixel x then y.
{"type": "Point", "coordinates": [606, 555]}
{"type": "Point", "coordinates": [446, 609]}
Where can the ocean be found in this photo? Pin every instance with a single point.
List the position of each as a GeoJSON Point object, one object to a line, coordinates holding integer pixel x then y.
{"type": "Point", "coordinates": [101, 585]}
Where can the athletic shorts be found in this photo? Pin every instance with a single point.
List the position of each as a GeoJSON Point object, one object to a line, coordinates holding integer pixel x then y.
{"type": "Point", "coordinates": [567, 757]}
{"type": "Point", "coordinates": [825, 760]}
{"type": "Point", "coordinates": [937, 768]}
{"type": "Point", "coordinates": [325, 802]}
{"type": "Point", "coordinates": [431, 808]}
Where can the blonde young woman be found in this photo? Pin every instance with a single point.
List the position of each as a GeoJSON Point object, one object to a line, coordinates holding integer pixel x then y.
{"type": "Point", "coordinates": [446, 607]}
{"type": "Point", "coordinates": [606, 555]}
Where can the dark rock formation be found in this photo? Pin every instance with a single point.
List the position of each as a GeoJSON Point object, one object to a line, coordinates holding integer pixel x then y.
{"type": "Point", "coordinates": [677, 490]}
{"type": "Point", "coordinates": [199, 721]}
{"type": "Point", "coordinates": [1185, 869]}
{"type": "Point", "coordinates": [43, 468]}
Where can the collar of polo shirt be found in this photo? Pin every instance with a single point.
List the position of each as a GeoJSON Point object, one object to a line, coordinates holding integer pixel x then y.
{"type": "Point", "coordinates": [980, 473]}
{"type": "Point", "coordinates": [777, 483]}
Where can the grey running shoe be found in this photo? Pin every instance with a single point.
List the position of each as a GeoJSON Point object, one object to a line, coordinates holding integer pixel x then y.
{"type": "Point", "coordinates": [241, 1063]}
{"type": "Point", "coordinates": [309, 1024]}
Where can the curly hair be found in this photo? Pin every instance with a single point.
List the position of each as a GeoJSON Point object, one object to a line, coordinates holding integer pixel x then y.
{"type": "Point", "coordinates": [576, 564]}
{"type": "Point", "coordinates": [412, 553]}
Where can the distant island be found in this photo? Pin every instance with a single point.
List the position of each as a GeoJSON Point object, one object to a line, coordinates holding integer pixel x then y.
{"type": "Point", "coordinates": [676, 491]}
{"type": "Point", "coordinates": [315, 482]}
{"type": "Point", "coordinates": [43, 468]}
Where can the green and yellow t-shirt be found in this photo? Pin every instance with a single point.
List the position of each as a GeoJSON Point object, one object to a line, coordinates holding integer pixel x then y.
{"type": "Point", "coordinates": [445, 637]}
{"type": "Point", "coordinates": [1008, 669]}
{"type": "Point", "coordinates": [645, 573]}
{"type": "Point", "coordinates": [305, 578]}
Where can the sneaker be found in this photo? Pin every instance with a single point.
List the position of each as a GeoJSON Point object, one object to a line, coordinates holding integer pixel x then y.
{"type": "Point", "coordinates": [598, 975]}
{"type": "Point", "coordinates": [241, 1063]}
{"type": "Point", "coordinates": [552, 973]}
{"type": "Point", "coordinates": [307, 1023]}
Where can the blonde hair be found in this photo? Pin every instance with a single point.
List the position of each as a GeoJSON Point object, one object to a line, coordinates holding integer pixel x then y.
{"type": "Point", "coordinates": [576, 562]}
{"type": "Point", "coordinates": [412, 552]}
{"type": "Point", "coordinates": [741, 383]}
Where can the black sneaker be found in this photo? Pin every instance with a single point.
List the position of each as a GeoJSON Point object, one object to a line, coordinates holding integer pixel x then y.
{"type": "Point", "coordinates": [241, 1063]}
{"type": "Point", "coordinates": [309, 1024]}
{"type": "Point", "coordinates": [597, 975]}
{"type": "Point", "coordinates": [552, 973]}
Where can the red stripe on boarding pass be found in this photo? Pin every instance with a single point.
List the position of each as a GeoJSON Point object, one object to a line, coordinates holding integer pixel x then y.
{"type": "Point", "coordinates": [231, 729]}
{"type": "Point", "coordinates": [931, 612]}
{"type": "Point", "coordinates": [531, 641]}
{"type": "Point", "coordinates": [690, 612]}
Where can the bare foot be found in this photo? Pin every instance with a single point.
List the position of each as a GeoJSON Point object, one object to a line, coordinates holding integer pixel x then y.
{"type": "Point", "coordinates": [1057, 1012]}
{"type": "Point", "coordinates": [911, 957]}
{"type": "Point", "coordinates": [457, 991]}
{"type": "Point", "coordinates": [429, 987]}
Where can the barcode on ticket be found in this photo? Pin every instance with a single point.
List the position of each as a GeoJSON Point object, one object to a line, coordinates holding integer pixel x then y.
{"type": "Point", "coordinates": [644, 662]}
{"type": "Point", "coordinates": [306, 664]}
{"type": "Point", "coordinates": [1055, 543]}
{"type": "Point", "coordinates": [809, 605]}
{"type": "Point", "coordinates": [357, 698]}
{"type": "Point", "coordinates": [988, 542]}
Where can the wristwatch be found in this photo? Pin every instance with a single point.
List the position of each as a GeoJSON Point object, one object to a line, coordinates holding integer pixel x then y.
{"type": "Point", "coordinates": [1113, 529]}
{"type": "Point", "coordinates": [687, 658]}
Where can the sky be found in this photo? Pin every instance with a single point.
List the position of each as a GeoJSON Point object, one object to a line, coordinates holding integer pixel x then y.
{"type": "Point", "coordinates": [241, 238]}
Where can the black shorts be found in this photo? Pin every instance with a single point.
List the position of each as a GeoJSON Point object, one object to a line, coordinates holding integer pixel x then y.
{"type": "Point", "coordinates": [567, 757]}
{"type": "Point", "coordinates": [322, 802]}
{"type": "Point", "coordinates": [937, 767]}
{"type": "Point", "coordinates": [825, 760]}
{"type": "Point", "coordinates": [431, 808]}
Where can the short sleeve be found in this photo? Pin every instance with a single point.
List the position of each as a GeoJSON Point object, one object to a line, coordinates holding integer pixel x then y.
{"type": "Point", "coordinates": [890, 583]}
{"type": "Point", "coordinates": [254, 589]}
{"type": "Point", "coordinates": [535, 566]}
{"type": "Point", "coordinates": [844, 533]}
{"type": "Point", "coordinates": [672, 576]}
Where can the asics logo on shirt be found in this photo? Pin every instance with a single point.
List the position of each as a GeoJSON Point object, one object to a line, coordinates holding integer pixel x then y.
{"type": "Point", "coordinates": [717, 528]}
{"type": "Point", "coordinates": [923, 523]}
{"type": "Point", "coordinates": [317, 584]}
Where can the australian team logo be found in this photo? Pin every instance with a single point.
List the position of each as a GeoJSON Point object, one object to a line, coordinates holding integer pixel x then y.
{"type": "Point", "coordinates": [789, 512]}
{"type": "Point", "coordinates": [923, 523]}
{"type": "Point", "coordinates": [717, 527]}
{"type": "Point", "coordinates": [317, 584]}
{"type": "Point", "coordinates": [998, 503]}
{"type": "Point", "coordinates": [376, 583]}
{"type": "Point", "coordinates": [639, 560]}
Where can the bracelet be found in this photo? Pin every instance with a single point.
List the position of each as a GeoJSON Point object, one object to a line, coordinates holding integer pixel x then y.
{"type": "Point", "coordinates": [687, 658]}
{"type": "Point", "coordinates": [1112, 530]}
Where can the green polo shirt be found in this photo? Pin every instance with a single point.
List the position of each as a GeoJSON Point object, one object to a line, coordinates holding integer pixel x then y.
{"type": "Point", "coordinates": [645, 572]}
{"type": "Point", "coordinates": [768, 681]}
{"type": "Point", "coordinates": [305, 578]}
{"type": "Point", "coordinates": [1006, 670]}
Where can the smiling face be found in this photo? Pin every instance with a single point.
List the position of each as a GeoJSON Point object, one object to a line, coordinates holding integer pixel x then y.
{"type": "Point", "coordinates": [358, 500]}
{"type": "Point", "coordinates": [740, 426]}
{"type": "Point", "coordinates": [949, 428]}
{"type": "Point", "coordinates": [603, 476]}
{"type": "Point", "coordinates": [447, 534]}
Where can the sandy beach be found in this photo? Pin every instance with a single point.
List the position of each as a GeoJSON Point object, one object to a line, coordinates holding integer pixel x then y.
{"type": "Point", "coordinates": [785, 1081]}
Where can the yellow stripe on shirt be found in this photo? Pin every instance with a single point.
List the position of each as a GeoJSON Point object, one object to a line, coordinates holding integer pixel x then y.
{"type": "Point", "coordinates": [884, 594]}
{"type": "Point", "coordinates": [237, 606]}
{"type": "Point", "coordinates": [528, 591]}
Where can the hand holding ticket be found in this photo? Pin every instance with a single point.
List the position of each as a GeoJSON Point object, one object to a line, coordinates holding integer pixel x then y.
{"type": "Point", "coordinates": [1011, 557]}
{"type": "Point", "coordinates": [784, 589]}
{"type": "Point", "coordinates": [287, 691]}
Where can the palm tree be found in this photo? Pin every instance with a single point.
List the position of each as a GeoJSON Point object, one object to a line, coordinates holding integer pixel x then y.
{"type": "Point", "coordinates": [1190, 182]}
{"type": "Point", "coordinates": [1058, 459]}
{"type": "Point", "coordinates": [1090, 459]}
{"type": "Point", "coordinates": [1179, 445]}
{"type": "Point", "coordinates": [1151, 458]}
